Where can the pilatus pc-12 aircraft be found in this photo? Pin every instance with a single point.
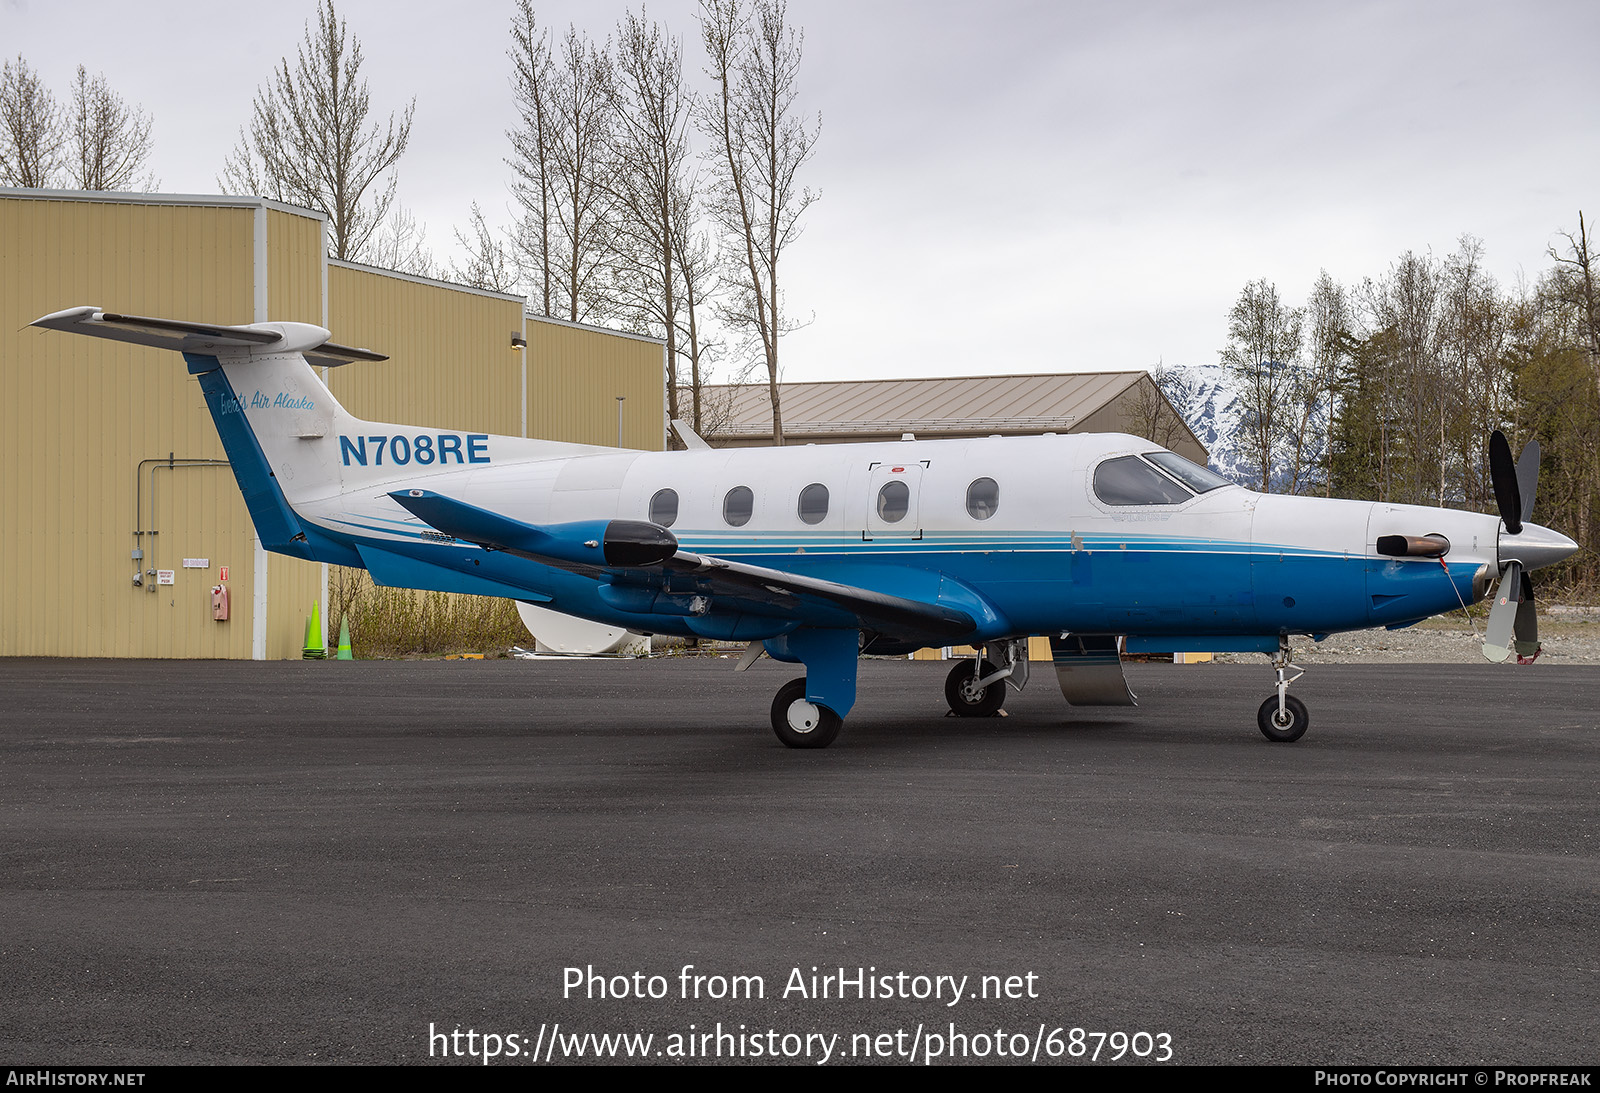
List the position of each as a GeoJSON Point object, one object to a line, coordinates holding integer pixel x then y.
{"type": "Point", "coordinates": [817, 554]}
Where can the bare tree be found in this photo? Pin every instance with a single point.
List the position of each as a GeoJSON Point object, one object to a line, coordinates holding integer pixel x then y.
{"type": "Point", "coordinates": [696, 256]}
{"type": "Point", "coordinates": [111, 140]}
{"type": "Point", "coordinates": [489, 264]}
{"type": "Point", "coordinates": [1329, 319]}
{"type": "Point", "coordinates": [1402, 314]}
{"type": "Point", "coordinates": [400, 244]}
{"type": "Point", "coordinates": [649, 165]}
{"type": "Point", "coordinates": [1264, 353]}
{"type": "Point", "coordinates": [309, 142]}
{"type": "Point", "coordinates": [1575, 285]}
{"type": "Point", "coordinates": [761, 145]}
{"type": "Point", "coordinates": [32, 133]}
{"type": "Point", "coordinates": [1153, 415]}
{"type": "Point", "coordinates": [559, 155]}
{"type": "Point", "coordinates": [531, 147]}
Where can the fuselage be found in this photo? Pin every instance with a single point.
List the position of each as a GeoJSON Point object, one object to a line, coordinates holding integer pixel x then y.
{"type": "Point", "coordinates": [1019, 524]}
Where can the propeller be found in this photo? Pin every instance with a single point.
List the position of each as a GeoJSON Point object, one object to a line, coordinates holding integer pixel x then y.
{"type": "Point", "coordinates": [1514, 619]}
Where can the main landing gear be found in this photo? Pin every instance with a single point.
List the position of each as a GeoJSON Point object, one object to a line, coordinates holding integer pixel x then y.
{"type": "Point", "coordinates": [976, 686]}
{"type": "Point", "coordinates": [1282, 718]}
{"type": "Point", "coordinates": [809, 712]}
{"type": "Point", "coordinates": [802, 724]}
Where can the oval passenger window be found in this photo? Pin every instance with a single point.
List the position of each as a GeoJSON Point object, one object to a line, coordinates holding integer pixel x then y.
{"type": "Point", "coordinates": [738, 505]}
{"type": "Point", "coordinates": [893, 501]}
{"type": "Point", "coordinates": [814, 503]}
{"type": "Point", "coordinates": [664, 508]}
{"type": "Point", "coordinates": [983, 498]}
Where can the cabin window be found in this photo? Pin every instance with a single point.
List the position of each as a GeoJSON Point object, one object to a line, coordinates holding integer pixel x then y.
{"type": "Point", "coordinates": [664, 508]}
{"type": "Point", "coordinates": [738, 505]}
{"type": "Point", "coordinates": [893, 501]}
{"type": "Point", "coordinates": [983, 498]}
{"type": "Point", "coordinates": [814, 503]}
{"type": "Point", "coordinates": [1129, 480]}
{"type": "Point", "coordinates": [1197, 478]}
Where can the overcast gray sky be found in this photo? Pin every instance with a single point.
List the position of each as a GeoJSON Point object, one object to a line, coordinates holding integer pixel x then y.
{"type": "Point", "coordinates": [1006, 187]}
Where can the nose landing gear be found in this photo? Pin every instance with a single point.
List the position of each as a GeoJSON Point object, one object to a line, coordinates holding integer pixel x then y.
{"type": "Point", "coordinates": [1282, 718]}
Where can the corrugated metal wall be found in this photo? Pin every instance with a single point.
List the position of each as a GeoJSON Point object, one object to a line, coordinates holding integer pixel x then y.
{"type": "Point", "coordinates": [78, 415]}
{"type": "Point", "coordinates": [575, 374]}
{"type": "Point", "coordinates": [451, 364]}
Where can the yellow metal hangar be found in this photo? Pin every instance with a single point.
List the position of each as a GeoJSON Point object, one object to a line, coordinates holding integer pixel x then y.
{"type": "Point", "coordinates": [110, 467]}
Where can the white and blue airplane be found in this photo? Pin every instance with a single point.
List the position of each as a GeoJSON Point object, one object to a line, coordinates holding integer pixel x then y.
{"type": "Point", "coordinates": [1105, 543]}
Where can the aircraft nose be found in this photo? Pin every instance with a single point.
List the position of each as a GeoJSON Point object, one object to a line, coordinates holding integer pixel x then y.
{"type": "Point", "coordinates": [1535, 547]}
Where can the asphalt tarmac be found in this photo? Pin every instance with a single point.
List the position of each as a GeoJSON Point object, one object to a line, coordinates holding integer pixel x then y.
{"type": "Point", "coordinates": [326, 862]}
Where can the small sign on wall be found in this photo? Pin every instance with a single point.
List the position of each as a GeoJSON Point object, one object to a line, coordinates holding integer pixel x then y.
{"type": "Point", "coordinates": [166, 576]}
{"type": "Point", "coordinates": [222, 573]}
{"type": "Point", "coordinates": [197, 563]}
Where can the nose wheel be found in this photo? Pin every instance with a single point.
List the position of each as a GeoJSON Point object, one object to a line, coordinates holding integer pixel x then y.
{"type": "Point", "coordinates": [1283, 719]}
{"type": "Point", "coordinates": [802, 724]}
{"type": "Point", "coordinates": [1286, 725]}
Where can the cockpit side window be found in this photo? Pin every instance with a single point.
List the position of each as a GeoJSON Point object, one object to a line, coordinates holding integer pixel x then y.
{"type": "Point", "coordinates": [1129, 480]}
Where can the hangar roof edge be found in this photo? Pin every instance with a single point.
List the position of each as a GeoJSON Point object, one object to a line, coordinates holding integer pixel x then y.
{"type": "Point", "coordinates": [120, 197]}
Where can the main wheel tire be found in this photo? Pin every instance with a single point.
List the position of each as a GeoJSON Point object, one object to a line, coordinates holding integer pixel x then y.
{"type": "Point", "coordinates": [1285, 728]}
{"type": "Point", "coordinates": [967, 701]}
{"type": "Point", "coordinates": [802, 724]}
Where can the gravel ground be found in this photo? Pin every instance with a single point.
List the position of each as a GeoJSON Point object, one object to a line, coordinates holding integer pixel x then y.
{"type": "Point", "coordinates": [1571, 635]}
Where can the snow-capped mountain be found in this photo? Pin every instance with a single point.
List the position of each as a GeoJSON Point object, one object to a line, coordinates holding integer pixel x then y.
{"type": "Point", "coordinates": [1207, 396]}
{"type": "Point", "coordinates": [1211, 399]}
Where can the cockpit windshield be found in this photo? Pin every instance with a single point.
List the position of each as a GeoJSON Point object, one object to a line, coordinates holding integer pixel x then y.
{"type": "Point", "coordinates": [1197, 478]}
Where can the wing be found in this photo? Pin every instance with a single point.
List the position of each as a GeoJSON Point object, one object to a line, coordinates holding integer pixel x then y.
{"type": "Point", "coordinates": [642, 563]}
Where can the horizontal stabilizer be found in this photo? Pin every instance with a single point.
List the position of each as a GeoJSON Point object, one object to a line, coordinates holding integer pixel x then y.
{"type": "Point", "coordinates": [207, 339]}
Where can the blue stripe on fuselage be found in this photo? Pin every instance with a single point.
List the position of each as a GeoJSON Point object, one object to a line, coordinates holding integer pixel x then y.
{"type": "Point", "coordinates": [1166, 588]}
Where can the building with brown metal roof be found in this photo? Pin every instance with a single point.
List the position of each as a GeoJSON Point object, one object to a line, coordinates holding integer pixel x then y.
{"type": "Point", "coordinates": [855, 411]}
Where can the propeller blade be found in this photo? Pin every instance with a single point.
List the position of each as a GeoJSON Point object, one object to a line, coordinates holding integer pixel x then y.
{"type": "Point", "coordinates": [1503, 474]}
{"type": "Point", "coordinates": [1503, 615]}
{"type": "Point", "coordinates": [1528, 478]}
{"type": "Point", "coordinates": [1525, 632]}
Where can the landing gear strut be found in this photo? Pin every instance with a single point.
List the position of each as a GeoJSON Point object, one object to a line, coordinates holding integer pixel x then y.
{"type": "Point", "coordinates": [1282, 718]}
{"type": "Point", "coordinates": [809, 712]}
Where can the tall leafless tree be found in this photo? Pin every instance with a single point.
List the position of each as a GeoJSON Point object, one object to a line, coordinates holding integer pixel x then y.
{"type": "Point", "coordinates": [1577, 283]}
{"type": "Point", "coordinates": [401, 244]}
{"type": "Point", "coordinates": [1264, 354]}
{"type": "Point", "coordinates": [32, 133]}
{"type": "Point", "coordinates": [648, 166]}
{"type": "Point", "coordinates": [761, 144]}
{"type": "Point", "coordinates": [110, 140]}
{"type": "Point", "coordinates": [696, 257]}
{"type": "Point", "coordinates": [489, 264]}
{"type": "Point", "coordinates": [310, 143]}
{"type": "Point", "coordinates": [1153, 415]}
{"type": "Point", "coordinates": [1402, 315]}
{"type": "Point", "coordinates": [1328, 320]}
{"type": "Point", "coordinates": [559, 155]}
{"type": "Point", "coordinates": [532, 83]}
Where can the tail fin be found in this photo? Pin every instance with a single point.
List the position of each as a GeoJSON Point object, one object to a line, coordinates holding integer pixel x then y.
{"type": "Point", "coordinates": [261, 390]}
